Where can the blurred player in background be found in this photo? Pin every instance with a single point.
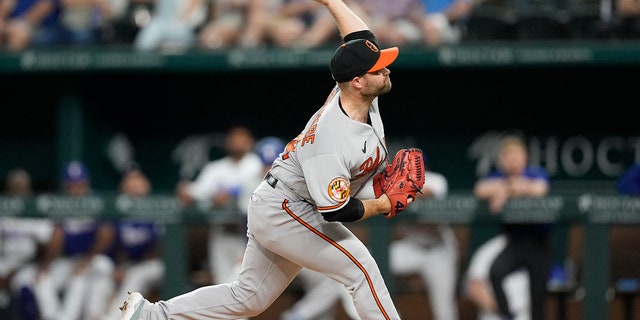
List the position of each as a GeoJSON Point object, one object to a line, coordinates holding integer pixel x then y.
{"type": "Point", "coordinates": [73, 280]}
{"type": "Point", "coordinates": [430, 250]}
{"type": "Point", "coordinates": [139, 264]}
{"type": "Point", "coordinates": [267, 149]}
{"type": "Point", "coordinates": [21, 238]}
{"type": "Point", "coordinates": [477, 285]}
{"type": "Point", "coordinates": [18, 183]}
{"type": "Point", "coordinates": [220, 183]}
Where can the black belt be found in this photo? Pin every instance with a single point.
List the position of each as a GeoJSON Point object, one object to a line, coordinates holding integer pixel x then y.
{"type": "Point", "coordinates": [271, 180]}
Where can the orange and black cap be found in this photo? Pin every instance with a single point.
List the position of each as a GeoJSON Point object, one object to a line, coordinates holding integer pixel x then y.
{"type": "Point", "coordinates": [357, 57]}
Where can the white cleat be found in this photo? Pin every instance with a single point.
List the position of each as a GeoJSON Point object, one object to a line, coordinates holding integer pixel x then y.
{"type": "Point", "coordinates": [132, 307]}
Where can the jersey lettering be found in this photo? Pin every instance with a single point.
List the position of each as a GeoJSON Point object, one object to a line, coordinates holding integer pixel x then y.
{"type": "Point", "coordinates": [370, 164]}
{"type": "Point", "coordinates": [309, 139]}
{"type": "Point", "coordinates": [310, 135]}
{"type": "Point", "coordinates": [291, 147]}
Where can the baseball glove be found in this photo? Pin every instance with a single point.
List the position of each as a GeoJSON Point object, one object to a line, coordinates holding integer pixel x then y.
{"type": "Point", "coordinates": [401, 180]}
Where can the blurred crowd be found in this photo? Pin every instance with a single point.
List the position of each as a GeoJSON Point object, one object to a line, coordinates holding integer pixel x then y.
{"type": "Point", "coordinates": [222, 24]}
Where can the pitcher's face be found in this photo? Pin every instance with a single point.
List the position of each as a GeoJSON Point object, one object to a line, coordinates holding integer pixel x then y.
{"type": "Point", "coordinates": [377, 82]}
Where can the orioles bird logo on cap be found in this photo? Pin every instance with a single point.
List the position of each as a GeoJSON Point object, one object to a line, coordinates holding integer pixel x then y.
{"type": "Point", "coordinates": [371, 46]}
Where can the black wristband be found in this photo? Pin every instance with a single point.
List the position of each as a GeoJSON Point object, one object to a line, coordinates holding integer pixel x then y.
{"type": "Point", "coordinates": [352, 211]}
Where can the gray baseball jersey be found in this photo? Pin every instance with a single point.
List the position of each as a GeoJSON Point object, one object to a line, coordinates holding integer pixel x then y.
{"type": "Point", "coordinates": [334, 156]}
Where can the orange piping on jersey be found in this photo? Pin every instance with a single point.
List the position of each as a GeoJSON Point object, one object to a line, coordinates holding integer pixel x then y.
{"type": "Point", "coordinates": [331, 207]}
{"type": "Point", "coordinates": [342, 249]}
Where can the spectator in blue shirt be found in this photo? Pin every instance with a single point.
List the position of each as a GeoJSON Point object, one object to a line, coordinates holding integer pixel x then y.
{"type": "Point", "coordinates": [443, 21]}
{"type": "Point", "coordinates": [528, 244]}
{"type": "Point", "coordinates": [27, 22]}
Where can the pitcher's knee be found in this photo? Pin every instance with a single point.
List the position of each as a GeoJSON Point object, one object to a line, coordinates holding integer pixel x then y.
{"type": "Point", "coordinates": [251, 302]}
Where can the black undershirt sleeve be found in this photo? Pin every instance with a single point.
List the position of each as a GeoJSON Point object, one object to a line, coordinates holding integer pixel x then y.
{"type": "Point", "coordinates": [352, 211]}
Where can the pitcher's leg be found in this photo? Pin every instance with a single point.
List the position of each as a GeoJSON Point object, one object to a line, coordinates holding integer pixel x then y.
{"type": "Point", "coordinates": [264, 276]}
{"type": "Point", "coordinates": [332, 249]}
{"type": "Point", "coordinates": [371, 296]}
{"type": "Point", "coordinates": [321, 295]}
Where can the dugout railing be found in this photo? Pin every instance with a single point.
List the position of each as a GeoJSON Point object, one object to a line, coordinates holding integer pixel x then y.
{"type": "Point", "coordinates": [596, 212]}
